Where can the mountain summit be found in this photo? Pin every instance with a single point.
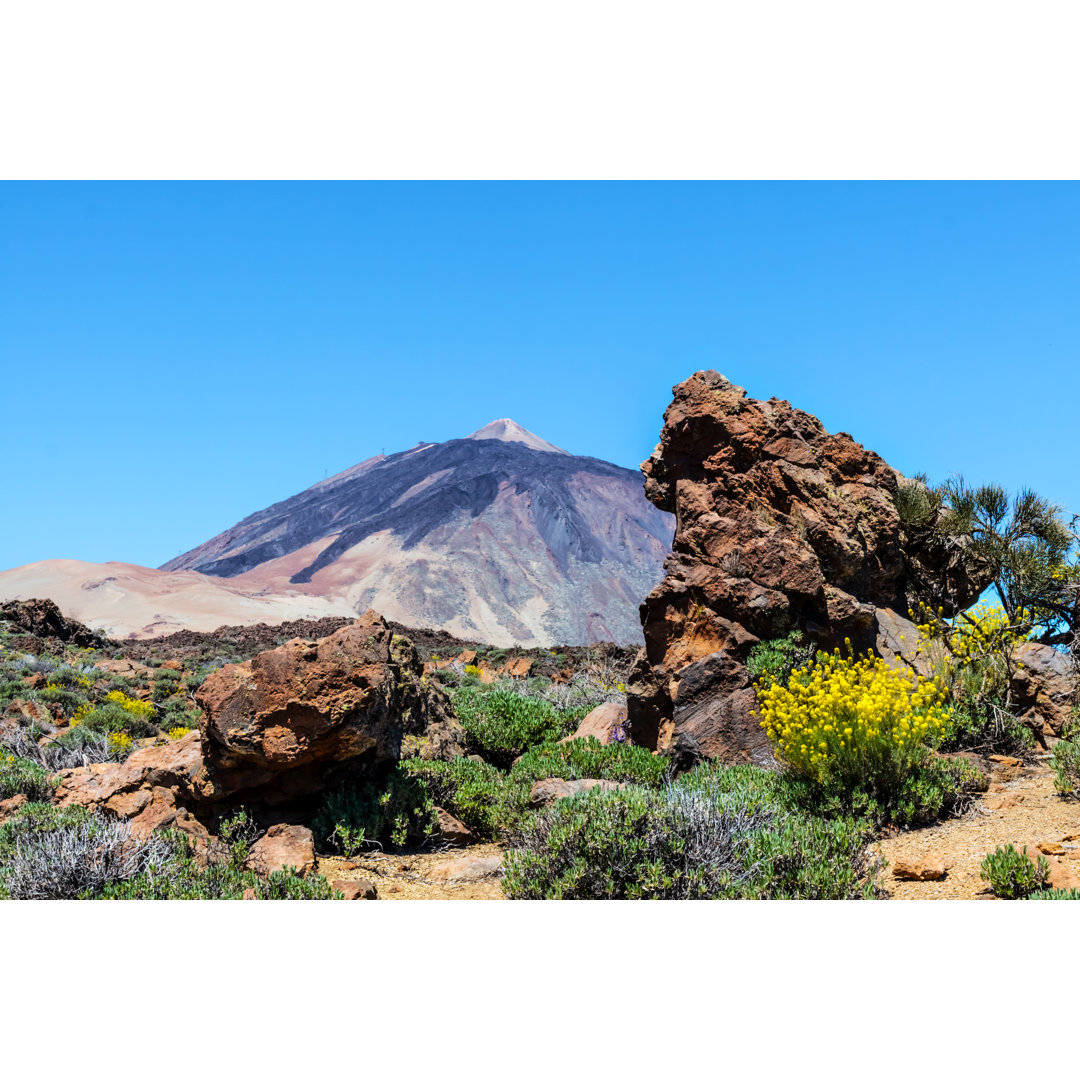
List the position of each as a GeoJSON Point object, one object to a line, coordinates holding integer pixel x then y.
{"type": "Point", "coordinates": [508, 431]}
{"type": "Point", "coordinates": [499, 537]}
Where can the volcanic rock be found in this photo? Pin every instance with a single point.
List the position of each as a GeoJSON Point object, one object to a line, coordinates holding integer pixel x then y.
{"type": "Point", "coordinates": [545, 792]}
{"type": "Point", "coordinates": [41, 619]}
{"type": "Point", "coordinates": [152, 787]}
{"type": "Point", "coordinates": [452, 831]}
{"type": "Point", "coordinates": [281, 847]}
{"type": "Point", "coordinates": [603, 723]}
{"type": "Point", "coordinates": [779, 525]}
{"type": "Point", "coordinates": [1044, 687]}
{"type": "Point", "coordinates": [278, 726]}
{"type": "Point", "coordinates": [358, 889]}
{"type": "Point", "coordinates": [470, 868]}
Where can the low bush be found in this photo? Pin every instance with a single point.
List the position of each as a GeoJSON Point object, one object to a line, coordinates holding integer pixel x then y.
{"type": "Point", "coordinates": [1066, 765]}
{"type": "Point", "coordinates": [581, 759]}
{"type": "Point", "coordinates": [1056, 894]}
{"type": "Point", "coordinates": [221, 877]}
{"type": "Point", "coordinates": [473, 791]}
{"type": "Point", "coordinates": [500, 725]}
{"type": "Point", "coordinates": [777, 659]}
{"type": "Point", "coordinates": [392, 808]}
{"type": "Point", "coordinates": [714, 833]}
{"type": "Point", "coordinates": [114, 717]}
{"type": "Point", "coordinates": [855, 735]}
{"type": "Point", "coordinates": [1012, 875]}
{"type": "Point", "coordinates": [52, 854]}
{"type": "Point", "coordinates": [22, 776]}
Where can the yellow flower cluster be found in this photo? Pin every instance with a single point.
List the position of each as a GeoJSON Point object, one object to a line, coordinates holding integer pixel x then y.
{"type": "Point", "coordinates": [119, 742]}
{"type": "Point", "coordinates": [981, 632]}
{"type": "Point", "coordinates": [131, 705]}
{"type": "Point", "coordinates": [81, 713]}
{"type": "Point", "coordinates": [179, 732]}
{"type": "Point", "coordinates": [471, 669]}
{"type": "Point", "coordinates": [850, 714]}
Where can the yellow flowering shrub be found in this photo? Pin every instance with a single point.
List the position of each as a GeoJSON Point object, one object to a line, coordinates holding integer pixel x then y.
{"type": "Point", "coordinates": [179, 732]}
{"type": "Point", "coordinates": [472, 669]}
{"type": "Point", "coordinates": [853, 721]}
{"type": "Point", "coordinates": [119, 742]}
{"type": "Point", "coordinates": [976, 635]}
{"type": "Point", "coordinates": [138, 708]}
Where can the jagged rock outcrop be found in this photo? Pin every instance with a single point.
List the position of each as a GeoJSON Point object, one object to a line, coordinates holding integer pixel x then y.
{"type": "Point", "coordinates": [45, 627]}
{"type": "Point", "coordinates": [779, 525]}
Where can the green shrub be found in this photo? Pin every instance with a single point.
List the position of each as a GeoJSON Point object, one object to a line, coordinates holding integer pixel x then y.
{"type": "Point", "coordinates": [715, 833]}
{"type": "Point", "coordinates": [1012, 875]}
{"type": "Point", "coordinates": [500, 725]}
{"type": "Point", "coordinates": [582, 759]}
{"type": "Point", "coordinates": [778, 658]}
{"type": "Point", "coordinates": [1066, 765]}
{"type": "Point", "coordinates": [110, 718]}
{"type": "Point", "coordinates": [986, 727]}
{"type": "Point", "coordinates": [932, 789]}
{"type": "Point", "coordinates": [473, 791]}
{"type": "Point", "coordinates": [393, 808]}
{"type": "Point", "coordinates": [1056, 894]}
{"type": "Point", "coordinates": [20, 776]}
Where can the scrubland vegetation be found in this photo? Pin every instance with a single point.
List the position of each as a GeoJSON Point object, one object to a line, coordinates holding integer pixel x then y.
{"type": "Point", "coordinates": [860, 745]}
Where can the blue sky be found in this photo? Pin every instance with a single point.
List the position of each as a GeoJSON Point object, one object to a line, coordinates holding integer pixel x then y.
{"type": "Point", "coordinates": [177, 356]}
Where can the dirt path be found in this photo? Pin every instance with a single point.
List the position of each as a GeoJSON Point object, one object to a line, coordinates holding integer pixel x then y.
{"type": "Point", "coordinates": [1020, 808]}
{"type": "Point", "coordinates": [417, 877]}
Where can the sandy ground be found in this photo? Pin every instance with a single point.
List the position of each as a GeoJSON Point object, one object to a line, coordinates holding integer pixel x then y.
{"type": "Point", "coordinates": [404, 877]}
{"type": "Point", "coordinates": [1024, 810]}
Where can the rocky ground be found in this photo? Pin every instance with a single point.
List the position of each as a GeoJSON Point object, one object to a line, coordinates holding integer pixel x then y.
{"type": "Point", "coordinates": [1021, 809]}
{"type": "Point", "coordinates": [453, 874]}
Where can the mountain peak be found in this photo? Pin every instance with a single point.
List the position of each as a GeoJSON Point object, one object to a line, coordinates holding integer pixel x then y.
{"type": "Point", "coordinates": [507, 430]}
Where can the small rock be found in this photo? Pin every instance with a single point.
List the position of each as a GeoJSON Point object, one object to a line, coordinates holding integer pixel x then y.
{"type": "Point", "coordinates": [475, 868]}
{"type": "Point", "coordinates": [1048, 847]}
{"type": "Point", "coordinates": [1008, 801]}
{"type": "Point", "coordinates": [1063, 877]}
{"type": "Point", "coordinates": [1004, 759]}
{"type": "Point", "coordinates": [10, 806]}
{"type": "Point", "coordinates": [281, 847]}
{"type": "Point", "coordinates": [249, 894]}
{"type": "Point", "coordinates": [546, 792]}
{"type": "Point", "coordinates": [605, 723]}
{"type": "Point", "coordinates": [467, 656]}
{"type": "Point", "coordinates": [361, 889]}
{"type": "Point", "coordinates": [927, 869]}
{"type": "Point", "coordinates": [173, 665]}
{"type": "Point", "coordinates": [453, 831]}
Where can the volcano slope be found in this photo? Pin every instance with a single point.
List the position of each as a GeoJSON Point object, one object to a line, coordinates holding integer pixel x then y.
{"type": "Point", "coordinates": [499, 537]}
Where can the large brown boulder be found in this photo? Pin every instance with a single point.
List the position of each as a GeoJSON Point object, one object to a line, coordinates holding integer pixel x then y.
{"type": "Point", "coordinates": [284, 724]}
{"type": "Point", "coordinates": [278, 729]}
{"type": "Point", "coordinates": [779, 526]}
{"type": "Point", "coordinates": [1045, 687]}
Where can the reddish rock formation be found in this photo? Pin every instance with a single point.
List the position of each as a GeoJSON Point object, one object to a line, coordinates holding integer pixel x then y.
{"type": "Point", "coordinates": [152, 788]}
{"type": "Point", "coordinates": [779, 525]}
{"type": "Point", "coordinates": [1044, 688]}
{"type": "Point", "coordinates": [276, 726]}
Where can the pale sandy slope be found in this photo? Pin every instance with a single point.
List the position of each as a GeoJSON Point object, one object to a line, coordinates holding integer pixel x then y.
{"type": "Point", "coordinates": [124, 600]}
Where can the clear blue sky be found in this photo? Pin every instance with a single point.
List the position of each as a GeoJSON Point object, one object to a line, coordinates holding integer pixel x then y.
{"type": "Point", "coordinates": [177, 356]}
